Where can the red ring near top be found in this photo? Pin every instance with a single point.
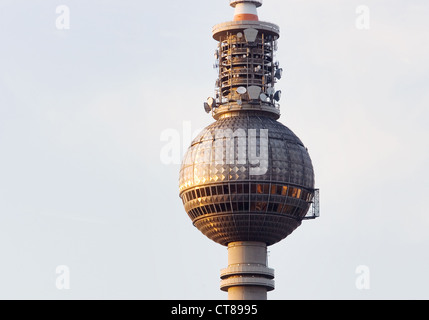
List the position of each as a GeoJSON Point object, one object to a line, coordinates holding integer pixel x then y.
{"type": "Point", "coordinates": [246, 16]}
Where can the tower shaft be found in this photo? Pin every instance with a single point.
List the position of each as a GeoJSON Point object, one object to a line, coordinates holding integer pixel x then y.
{"type": "Point", "coordinates": [247, 181]}
{"type": "Point", "coordinates": [247, 276]}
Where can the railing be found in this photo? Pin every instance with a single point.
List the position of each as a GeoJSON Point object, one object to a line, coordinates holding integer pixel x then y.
{"type": "Point", "coordinates": [244, 269]}
{"type": "Point", "coordinates": [314, 211]}
{"type": "Point", "coordinates": [257, 1]}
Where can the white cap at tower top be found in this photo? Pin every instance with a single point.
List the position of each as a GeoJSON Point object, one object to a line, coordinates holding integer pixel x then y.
{"type": "Point", "coordinates": [233, 3]}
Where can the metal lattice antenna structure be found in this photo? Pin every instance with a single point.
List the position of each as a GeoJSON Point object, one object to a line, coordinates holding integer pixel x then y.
{"type": "Point", "coordinates": [247, 181]}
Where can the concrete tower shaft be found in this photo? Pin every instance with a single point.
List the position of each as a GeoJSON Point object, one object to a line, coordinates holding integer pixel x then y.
{"type": "Point", "coordinates": [247, 181]}
{"type": "Point", "coordinates": [247, 276]}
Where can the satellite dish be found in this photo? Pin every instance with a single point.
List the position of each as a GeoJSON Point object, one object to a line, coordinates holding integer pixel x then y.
{"type": "Point", "coordinates": [207, 107]}
{"type": "Point", "coordinates": [263, 97]}
{"type": "Point", "coordinates": [241, 90]}
{"type": "Point", "coordinates": [250, 34]}
{"type": "Point", "coordinates": [239, 35]}
{"type": "Point", "coordinates": [254, 92]}
{"type": "Point", "coordinates": [278, 96]}
{"type": "Point", "coordinates": [279, 73]}
{"type": "Point", "coordinates": [211, 102]}
{"type": "Point", "coordinates": [270, 91]}
{"type": "Point", "coordinates": [239, 102]}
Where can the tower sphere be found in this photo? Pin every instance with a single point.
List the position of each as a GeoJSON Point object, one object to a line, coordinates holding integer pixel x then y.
{"type": "Point", "coordinates": [246, 177]}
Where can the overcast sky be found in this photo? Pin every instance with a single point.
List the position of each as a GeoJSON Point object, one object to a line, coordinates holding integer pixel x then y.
{"type": "Point", "coordinates": [82, 112]}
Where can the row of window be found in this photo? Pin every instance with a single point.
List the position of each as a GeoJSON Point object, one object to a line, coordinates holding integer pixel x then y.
{"type": "Point", "coordinates": [262, 207]}
{"type": "Point", "coordinates": [234, 42]}
{"type": "Point", "coordinates": [246, 188]}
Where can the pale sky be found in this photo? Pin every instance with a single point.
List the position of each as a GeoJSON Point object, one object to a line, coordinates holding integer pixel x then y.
{"type": "Point", "coordinates": [82, 112]}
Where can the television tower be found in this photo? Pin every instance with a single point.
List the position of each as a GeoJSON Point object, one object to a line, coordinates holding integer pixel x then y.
{"type": "Point", "coordinates": [247, 181]}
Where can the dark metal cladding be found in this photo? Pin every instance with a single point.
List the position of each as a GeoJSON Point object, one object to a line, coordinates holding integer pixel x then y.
{"type": "Point", "coordinates": [226, 202]}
